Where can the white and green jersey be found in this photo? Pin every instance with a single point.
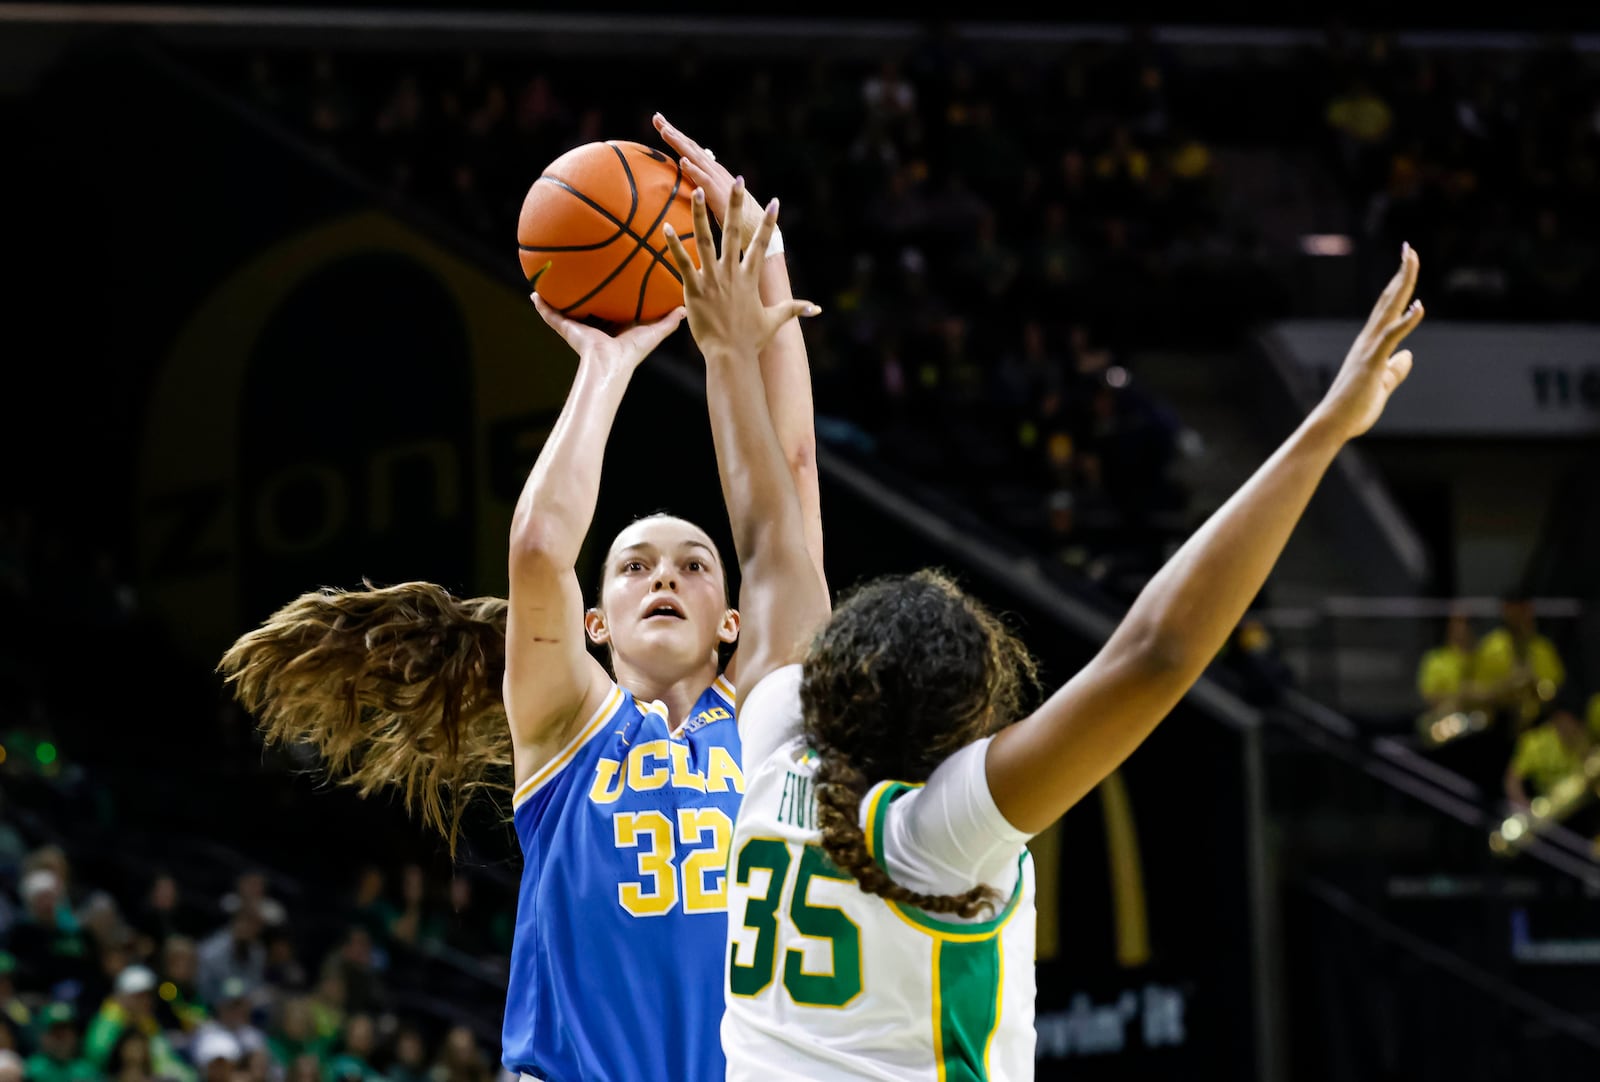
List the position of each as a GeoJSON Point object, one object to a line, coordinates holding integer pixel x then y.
{"type": "Point", "coordinates": [828, 982]}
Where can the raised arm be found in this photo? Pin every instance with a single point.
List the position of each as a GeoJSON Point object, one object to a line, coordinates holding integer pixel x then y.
{"type": "Point", "coordinates": [785, 367]}
{"type": "Point", "coordinates": [551, 680]}
{"type": "Point", "coordinates": [1040, 767]}
{"type": "Point", "coordinates": [782, 598]}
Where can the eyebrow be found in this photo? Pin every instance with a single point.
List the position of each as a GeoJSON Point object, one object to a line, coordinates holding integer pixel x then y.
{"type": "Point", "coordinates": [639, 545]}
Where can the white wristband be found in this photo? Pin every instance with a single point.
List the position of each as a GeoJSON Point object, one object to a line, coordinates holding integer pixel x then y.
{"type": "Point", "coordinates": [775, 245]}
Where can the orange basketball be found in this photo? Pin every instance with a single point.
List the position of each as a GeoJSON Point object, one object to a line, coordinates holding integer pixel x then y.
{"type": "Point", "coordinates": [590, 235]}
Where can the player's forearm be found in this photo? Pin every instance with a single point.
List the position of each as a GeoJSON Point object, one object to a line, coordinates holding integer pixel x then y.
{"type": "Point", "coordinates": [1186, 612]}
{"type": "Point", "coordinates": [558, 501]}
{"type": "Point", "coordinates": [786, 376]}
{"type": "Point", "coordinates": [763, 508]}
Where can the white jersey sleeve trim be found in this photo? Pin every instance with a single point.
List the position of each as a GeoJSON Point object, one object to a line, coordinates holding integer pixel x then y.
{"type": "Point", "coordinates": [947, 836]}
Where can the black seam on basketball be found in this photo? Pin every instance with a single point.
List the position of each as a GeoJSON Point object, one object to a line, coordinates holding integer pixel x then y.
{"type": "Point", "coordinates": [567, 247]}
{"type": "Point", "coordinates": [623, 228]}
{"type": "Point", "coordinates": [644, 280]}
{"type": "Point", "coordinates": [633, 185]}
{"type": "Point", "coordinates": [637, 248]}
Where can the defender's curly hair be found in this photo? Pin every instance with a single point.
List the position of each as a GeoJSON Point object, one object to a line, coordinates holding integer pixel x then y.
{"type": "Point", "coordinates": [908, 670]}
{"type": "Point", "coordinates": [399, 686]}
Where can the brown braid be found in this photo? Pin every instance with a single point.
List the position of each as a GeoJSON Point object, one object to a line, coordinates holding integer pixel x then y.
{"type": "Point", "coordinates": [840, 789]}
{"type": "Point", "coordinates": [908, 670]}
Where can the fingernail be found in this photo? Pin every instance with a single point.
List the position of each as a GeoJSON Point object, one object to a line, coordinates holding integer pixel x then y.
{"type": "Point", "coordinates": [666, 228]}
{"type": "Point", "coordinates": [772, 207]}
{"type": "Point", "coordinates": [812, 310]}
{"type": "Point", "coordinates": [1405, 246]}
{"type": "Point", "coordinates": [699, 195]}
{"type": "Point", "coordinates": [738, 182]}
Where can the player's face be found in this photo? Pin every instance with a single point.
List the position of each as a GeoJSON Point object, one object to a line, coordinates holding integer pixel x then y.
{"type": "Point", "coordinates": [663, 596]}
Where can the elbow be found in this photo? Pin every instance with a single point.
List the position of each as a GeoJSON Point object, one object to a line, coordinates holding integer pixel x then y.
{"type": "Point", "coordinates": [1162, 654]}
{"type": "Point", "coordinates": [536, 543]}
{"type": "Point", "coordinates": [802, 456]}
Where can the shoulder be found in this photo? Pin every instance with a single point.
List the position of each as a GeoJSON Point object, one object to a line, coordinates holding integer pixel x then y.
{"type": "Point", "coordinates": [617, 700]}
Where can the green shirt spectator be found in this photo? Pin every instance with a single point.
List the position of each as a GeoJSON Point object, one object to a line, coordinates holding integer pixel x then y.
{"type": "Point", "coordinates": [132, 1006]}
{"type": "Point", "coordinates": [57, 1059]}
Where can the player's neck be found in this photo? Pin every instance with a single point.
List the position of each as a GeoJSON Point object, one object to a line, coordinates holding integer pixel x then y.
{"type": "Point", "coordinates": [679, 696]}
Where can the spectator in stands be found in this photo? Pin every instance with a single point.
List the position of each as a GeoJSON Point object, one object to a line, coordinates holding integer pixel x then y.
{"type": "Point", "coordinates": [1445, 672]}
{"type": "Point", "coordinates": [46, 941]}
{"type": "Point", "coordinates": [407, 924]}
{"type": "Point", "coordinates": [12, 1008]}
{"type": "Point", "coordinates": [328, 1004]}
{"type": "Point", "coordinates": [130, 1059]}
{"type": "Point", "coordinates": [460, 1059]}
{"type": "Point", "coordinates": [250, 890]}
{"type": "Point", "coordinates": [54, 859]}
{"type": "Point", "coordinates": [354, 1061]}
{"type": "Point", "coordinates": [356, 964]}
{"type": "Point", "coordinates": [1517, 667]}
{"type": "Point", "coordinates": [131, 1010]}
{"type": "Point", "coordinates": [370, 908]}
{"type": "Point", "coordinates": [12, 846]}
{"type": "Point", "coordinates": [294, 1037]}
{"type": "Point", "coordinates": [217, 1055]}
{"type": "Point", "coordinates": [234, 950]}
{"type": "Point", "coordinates": [58, 1058]}
{"type": "Point", "coordinates": [11, 1066]}
{"type": "Point", "coordinates": [305, 1069]}
{"type": "Point", "coordinates": [162, 913]}
{"type": "Point", "coordinates": [178, 1006]}
{"type": "Point", "coordinates": [233, 1009]}
{"type": "Point", "coordinates": [284, 970]}
{"type": "Point", "coordinates": [1361, 122]}
{"type": "Point", "coordinates": [469, 926]}
{"type": "Point", "coordinates": [1546, 753]}
{"type": "Point", "coordinates": [410, 1061]}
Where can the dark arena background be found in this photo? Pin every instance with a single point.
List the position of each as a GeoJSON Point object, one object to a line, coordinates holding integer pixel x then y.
{"type": "Point", "coordinates": [265, 331]}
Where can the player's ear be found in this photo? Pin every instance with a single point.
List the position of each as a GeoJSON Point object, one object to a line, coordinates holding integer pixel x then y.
{"type": "Point", "coordinates": [594, 622]}
{"type": "Point", "coordinates": [728, 630]}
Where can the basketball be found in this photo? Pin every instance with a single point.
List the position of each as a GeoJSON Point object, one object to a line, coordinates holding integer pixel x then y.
{"type": "Point", "coordinates": [589, 235]}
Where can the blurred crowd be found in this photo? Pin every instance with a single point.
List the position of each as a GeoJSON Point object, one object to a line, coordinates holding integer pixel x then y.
{"type": "Point", "coordinates": [169, 984]}
{"type": "Point", "coordinates": [994, 232]}
{"type": "Point", "coordinates": [1504, 705]}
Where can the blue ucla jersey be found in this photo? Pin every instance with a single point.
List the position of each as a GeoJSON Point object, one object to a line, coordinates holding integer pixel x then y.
{"type": "Point", "coordinates": [617, 961]}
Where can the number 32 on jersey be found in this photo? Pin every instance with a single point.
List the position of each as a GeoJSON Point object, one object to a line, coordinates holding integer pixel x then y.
{"type": "Point", "coordinates": [699, 879]}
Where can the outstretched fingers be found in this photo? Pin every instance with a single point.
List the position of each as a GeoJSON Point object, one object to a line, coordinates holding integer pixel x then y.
{"type": "Point", "coordinates": [758, 243]}
{"type": "Point", "coordinates": [1396, 331]}
{"type": "Point", "coordinates": [733, 223]}
{"type": "Point", "coordinates": [702, 227]}
{"type": "Point", "coordinates": [1396, 295]}
{"type": "Point", "coordinates": [680, 256]}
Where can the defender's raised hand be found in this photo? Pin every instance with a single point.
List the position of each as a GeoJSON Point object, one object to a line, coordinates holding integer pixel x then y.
{"type": "Point", "coordinates": [700, 165]}
{"type": "Point", "coordinates": [723, 293]}
{"type": "Point", "coordinates": [1372, 369]}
